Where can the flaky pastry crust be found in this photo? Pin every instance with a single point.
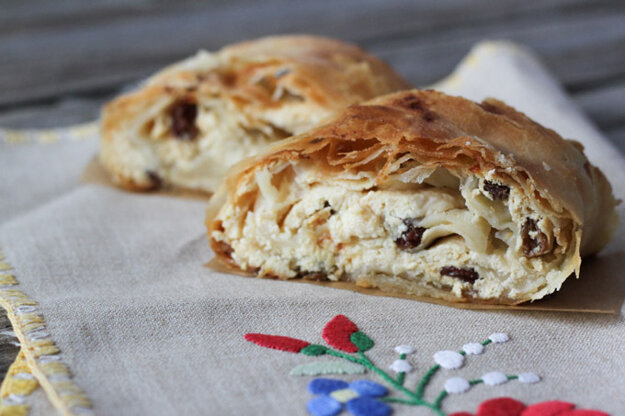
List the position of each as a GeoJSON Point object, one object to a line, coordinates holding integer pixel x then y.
{"type": "Point", "coordinates": [532, 198]}
{"type": "Point", "coordinates": [192, 120]}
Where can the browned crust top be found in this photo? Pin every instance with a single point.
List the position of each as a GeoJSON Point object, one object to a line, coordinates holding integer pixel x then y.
{"type": "Point", "coordinates": [441, 130]}
{"type": "Point", "coordinates": [327, 73]}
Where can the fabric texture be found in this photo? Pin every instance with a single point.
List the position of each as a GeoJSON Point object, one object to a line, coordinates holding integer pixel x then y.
{"type": "Point", "coordinates": [145, 328]}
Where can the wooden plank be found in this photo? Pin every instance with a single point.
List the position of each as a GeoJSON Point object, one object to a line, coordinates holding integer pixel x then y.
{"type": "Point", "coordinates": [423, 41]}
{"type": "Point", "coordinates": [578, 49]}
{"type": "Point", "coordinates": [617, 137]}
{"type": "Point", "coordinates": [64, 112]}
{"type": "Point", "coordinates": [605, 105]}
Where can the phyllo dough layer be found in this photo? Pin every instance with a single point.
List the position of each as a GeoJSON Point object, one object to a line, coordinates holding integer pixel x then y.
{"type": "Point", "coordinates": [418, 193]}
{"type": "Point", "coordinates": [190, 122]}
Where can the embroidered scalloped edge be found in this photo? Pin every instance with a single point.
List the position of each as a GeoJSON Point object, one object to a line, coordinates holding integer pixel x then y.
{"type": "Point", "coordinates": [17, 385]}
{"type": "Point", "coordinates": [40, 351]}
{"type": "Point", "coordinates": [47, 136]}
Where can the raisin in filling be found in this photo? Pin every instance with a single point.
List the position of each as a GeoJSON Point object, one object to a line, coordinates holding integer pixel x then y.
{"type": "Point", "coordinates": [183, 114]}
{"type": "Point", "coordinates": [223, 249]}
{"type": "Point", "coordinates": [155, 180]}
{"type": "Point", "coordinates": [537, 245]}
{"type": "Point", "coordinates": [410, 238]}
{"type": "Point", "coordinates": [497, 191]}
{"type": "Point", "coordinates": [468, 275]}
{"type": "Point", "coordinates": [326, 204]}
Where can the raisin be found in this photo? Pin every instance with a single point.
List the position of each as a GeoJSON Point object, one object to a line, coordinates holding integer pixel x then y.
{"type": "Point", "coordinates": [316, 276]}
{"type": "Point", "coordinates": [155, 180]}
{"type": "Point", "coordinates": [221, 248]}
{"type": "Point", "coordinates": [498, 191]}
{"type": "Point", "coordinates": [468, 275]}
{"type": "Point", "coordinates": [533, 246]}
{"type": "Point", "coordinates": [410, 238]}
{"type": "Point", "coordinates": [183, 114]}
{"type": "Point", "coordinates": [326, 204]}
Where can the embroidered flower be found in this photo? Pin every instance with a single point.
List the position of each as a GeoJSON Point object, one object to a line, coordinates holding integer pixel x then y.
{"type": "Point", "coordinates": [511, 407]}
{"type": "Point", "coordinates": [499, 337]}
{"type": "Point", "coordinates": [457, 385]}
{"type": "Point", "coordinates": [401, 366]}
{"type": "Point", "coordinates": [404, 349]}
{"type": "Point", "coordinates": [278, 342]}
{"type": "Point", "coordinates": [366, 398]}
{"type": "Point", "coordinates": [343, 334]}
{"type": "Point", "coordinates": [473, 348]}
{"type": "Point", "coordinates": [449, 359]}
{"type": "Point", "coordinates": [358, 397]}
{"type": "Point", "coordinates": [494, 378]}
{"type": "Point", "coordinates": [529, 378]}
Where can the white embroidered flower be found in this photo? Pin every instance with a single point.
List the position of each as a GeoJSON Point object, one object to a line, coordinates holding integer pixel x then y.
{"type": "Point", "coordinates": [529, 378]}
{"type": "Point", "coordinates": [473, 348]}
{"type": "Point", "coordinates": [456, 385]}
{"type": "Point", "coordinates": [401, 366]}
{"type": "Point", "coordinates": [404, 349]}
{"type": "Point", "coordinates": [449, 359]}
{"type": "Point", "coordinates": [494, 378]}
{"type": "Point", "coordinates": [499, 337]}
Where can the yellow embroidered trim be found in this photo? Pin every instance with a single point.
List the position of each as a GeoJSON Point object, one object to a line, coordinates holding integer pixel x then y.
{"type": "Point", "coordinates": [76, 133]}
{"type": "Point", "coordinates": [40, 352]}
{"type": "Point", "coordinates": [17, 384]}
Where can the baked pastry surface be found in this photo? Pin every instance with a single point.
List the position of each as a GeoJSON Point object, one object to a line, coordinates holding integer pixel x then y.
{"type": "Point", "coordinates": [418, 193]}
{"type": "Point", "coordinates": [190, 122]}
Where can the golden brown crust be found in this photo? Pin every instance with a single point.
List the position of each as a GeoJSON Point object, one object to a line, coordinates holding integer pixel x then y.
{"type": "Point", "coordinates": [438, 130]}
{"type": "Point", "coordinates": [452, 132]}
{"type": "Point", "coordinates": [260, 75]}
{"type": "Point", "coordinates": [326, 71]}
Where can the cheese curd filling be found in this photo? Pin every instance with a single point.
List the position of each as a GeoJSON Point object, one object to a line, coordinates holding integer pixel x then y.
{"type": "Point", "coordinates": [425, 231]}
{"type": "Point", "coordinates": [188, 123]}
{"type": "Point", "coordinates": [193, 143]}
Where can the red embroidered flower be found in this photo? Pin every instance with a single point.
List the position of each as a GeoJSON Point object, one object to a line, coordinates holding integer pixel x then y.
{"type": "Point", "coordinates": [505, 406]}
{"type": "Point", "coordinates": [548, 408]}
{"type": "Point", "coordinates": [337, 333]}
{"type": "Point", "coordinates": [343, 334]}
{"type": "Point", "coordinates": [277, 342]}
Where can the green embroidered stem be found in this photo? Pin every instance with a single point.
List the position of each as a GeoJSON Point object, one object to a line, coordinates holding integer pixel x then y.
{"type": "Point", "coordinates": [485, 343]}
{"type": "Point", "coordinates": [425, 380]}
{"type": "Point", "coordinates": [401, 375]}
{"type": "Point", "coordinates": [440, 398]}
{"type": "Point", "coordinates": [389, 379]}
{"type": "Point", "coordinates": [512, 377]}
{"type": "Point", "coordinates": [476, 381]}
{"type": "Point", "coordinates": [400, 378]}
{"type": "Point", "coordinates": [396, 400]}
{"type": "Point", "coordinates": [366, 362]}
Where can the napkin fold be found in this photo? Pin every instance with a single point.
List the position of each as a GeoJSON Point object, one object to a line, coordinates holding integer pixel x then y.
{"type": "Point", "coordinates": [117, 315]}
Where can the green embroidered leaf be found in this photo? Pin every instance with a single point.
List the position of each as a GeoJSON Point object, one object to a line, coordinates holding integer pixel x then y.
{"type": "Point", "coordinates": [361, 340]}
{"type": "Point", "coordinates": [314, 350]}
{"type": "Point", "coordinates": [327, 367]}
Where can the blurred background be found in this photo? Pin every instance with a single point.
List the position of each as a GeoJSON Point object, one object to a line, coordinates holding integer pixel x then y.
{"type": "Point", "coordinates": [60, 60]}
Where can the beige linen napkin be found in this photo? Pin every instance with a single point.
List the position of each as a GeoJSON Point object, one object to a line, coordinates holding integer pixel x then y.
{"type": "Point", "coordinates": [146, 329]}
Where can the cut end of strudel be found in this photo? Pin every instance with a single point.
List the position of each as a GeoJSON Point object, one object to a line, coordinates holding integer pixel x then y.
{"type": "Point", "coordinates": [190, 122]}
{"type": "Point", "coordinates": [418, 193]}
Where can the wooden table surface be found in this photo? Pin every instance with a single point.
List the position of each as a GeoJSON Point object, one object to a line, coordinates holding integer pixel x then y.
{"type": "Point", "coordinates": [60, 60]}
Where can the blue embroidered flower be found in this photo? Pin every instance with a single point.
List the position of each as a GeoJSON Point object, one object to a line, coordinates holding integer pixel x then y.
{"type": "Point", "coordinates": [359, 398]}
